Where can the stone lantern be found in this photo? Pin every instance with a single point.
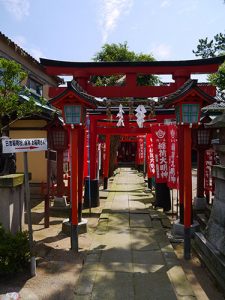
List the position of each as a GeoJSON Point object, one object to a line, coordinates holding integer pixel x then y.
{"type": "Point", "coordinates": [211, 244]}
{"type": "Point", "coordinates": [58, 140]}
{"type": "Point", "coordinates": [187, 101]}
{"type": "Point", "coordinates": [73, 102]}
{"type": "Point", "coordinates": [201, 141]}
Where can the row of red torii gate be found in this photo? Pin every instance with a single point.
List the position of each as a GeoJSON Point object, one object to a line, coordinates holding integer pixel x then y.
{"type": "Point", "coordinates": [166, 116]}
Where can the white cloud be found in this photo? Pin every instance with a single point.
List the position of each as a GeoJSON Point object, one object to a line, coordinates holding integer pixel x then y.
{"type": "Point", "coordinates": [165, 3]}
{"type": "Point", "coordinates": [18, 8]}
{"type": "Point", "coordinates": [20, 40]}
{"type": "Point", "coordinates": [111, 10]}
{"type": "Point", "coordinates": [34, 51]}
{"type": "Point", "coordinates": [161, 51]}
{"type": "Point", "coordinates": [188, 8]}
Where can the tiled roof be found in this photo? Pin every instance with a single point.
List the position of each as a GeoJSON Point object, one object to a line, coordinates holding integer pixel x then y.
{"type": "Point", "coordinates": [194, 62]}
{"type": "Point", "coordinates": [183, 90]}
{"type": "Point", "coordinates": [218, 106]}
{"type": "Point", "coordinates": [17, 48]}
{"type": "Point", "coordinates": [78, 90]}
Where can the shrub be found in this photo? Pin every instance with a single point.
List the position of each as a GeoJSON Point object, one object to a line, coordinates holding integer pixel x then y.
{"type": "Point", "coordinates": [14, 252]}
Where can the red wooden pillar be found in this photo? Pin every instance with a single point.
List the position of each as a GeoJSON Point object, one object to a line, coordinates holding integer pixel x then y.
{"type": "Point", "coordinates": [181, 171]}
{"type": "Point", "coordinates": [81, 141]}
{"type": "Point", "coordinates": [200, 173]}
{"type": "Point", "coordinates": [106, 162]}
{"type": "Point", "coordinates": [74, 188]}
{"type": "Point", "coordinates": [91, 195]}
{"type": "Point", "coordinates": [60, 183]}
{"type": "Point", "coordinates": [93, 148]}
{"type": "Point", "coordinates": [187, 192]}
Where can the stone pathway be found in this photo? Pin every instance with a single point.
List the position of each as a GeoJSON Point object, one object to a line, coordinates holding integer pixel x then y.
{"type": "Point", "coordinates": [130, 256]}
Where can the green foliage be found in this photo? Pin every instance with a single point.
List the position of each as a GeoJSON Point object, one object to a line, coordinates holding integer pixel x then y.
{"type": "Point", "coordinates": [118, 53]}
{"type": "Point", "coordinates": [212, 48]}
{"type": "Point", "coordinates": [14, 252]}
{"type": "Point", "coordinates": [11, 78]}
{"type": "Point", "coordinates": [218, 79]}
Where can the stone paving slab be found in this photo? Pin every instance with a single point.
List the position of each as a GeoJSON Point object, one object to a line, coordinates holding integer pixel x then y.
{"type": "Point", "coordinates": [130, 256]}
{"type": "Point", "coordinates": [113, 286]}
{"type": "Point", "coordinates": [153, 286]}
{"type": "Point", "coordinates": [140, 220]}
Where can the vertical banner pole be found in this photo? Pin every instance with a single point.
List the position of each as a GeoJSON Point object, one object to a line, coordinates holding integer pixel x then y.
{"type": "Point", "coordinates": [28, 208]}
{"type": "Point", "coordinates": [74, 188]}
{"type": "Point", "coordinates": [187, 192]}
{"type": "Point", "coordinates": [46, 221]}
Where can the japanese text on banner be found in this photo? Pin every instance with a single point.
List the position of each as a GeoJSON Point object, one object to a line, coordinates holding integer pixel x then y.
{"type": "Point", "coordinates": [209, 161]}
{"type": "Point", "coordinates": [140, 150]}
{"type": "Point", "coordinates": [172, 156]}
{"type": "Point", "coordinates": [150, 156]}
{"type": "Point", "coordinates": [159, 137]}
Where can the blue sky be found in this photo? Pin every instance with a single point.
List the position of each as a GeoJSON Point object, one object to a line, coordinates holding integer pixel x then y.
{"type": "Point", "coordinates": [76, 29]}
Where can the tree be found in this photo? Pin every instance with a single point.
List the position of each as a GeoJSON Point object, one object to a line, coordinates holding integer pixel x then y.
{"type": "Point", "coordinates": [120, 52]}
{"type": "Point", "coordinates": [212, 48]}
{"type": "Point", "coordinates": [11, 78]}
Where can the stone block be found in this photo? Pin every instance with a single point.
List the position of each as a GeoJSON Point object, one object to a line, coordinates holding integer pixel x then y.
{"type": "Point", "coordinates": [11, 180]}
{"type": "Point", "coordinates": [218, 171]}
{"type": "Point", "coordinates": [12, 208]}
{"type": "Point", "coordinates": [214, 261]}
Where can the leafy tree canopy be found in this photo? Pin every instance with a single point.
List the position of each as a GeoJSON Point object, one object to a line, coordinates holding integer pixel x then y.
{"type": "Point", "coordinates": [121, 52]}
{"type": "Point", "coordinates": [11, 78]}
{"type": "Point", "coordinates": [212, 48]}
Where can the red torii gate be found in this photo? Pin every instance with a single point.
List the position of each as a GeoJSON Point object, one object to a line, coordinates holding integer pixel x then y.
{"type": "Point", "coordinates": [181, 71]}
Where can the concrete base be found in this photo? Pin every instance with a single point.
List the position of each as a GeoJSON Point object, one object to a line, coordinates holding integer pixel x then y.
{"type": "Point", "coordinates": [210, 256]}
{"type": "Point", "coordinates": [66, 227]}
{"type": "Point", "coordinates": [199, 203]}
{"type": "Point", "coordinates": [60, 201]}
{"type": "Point", "coordinates": [178, 228]}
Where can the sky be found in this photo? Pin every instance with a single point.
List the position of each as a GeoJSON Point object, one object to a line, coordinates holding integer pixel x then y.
{"type": "Point", "coordinates": [75, 30]}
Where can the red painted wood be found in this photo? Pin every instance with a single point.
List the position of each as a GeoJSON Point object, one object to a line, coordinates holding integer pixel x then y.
{"type": "Point", "coordinates": [74, 175]}
{"type": "Point", "coordinates": [200, 173]}
{"type": "Point", "coordinates": [81, 139]}
{"type": "Point", "coordinates": [107, 156]}
{"type": "Point", "coordinates": [181, 162]}
{"type": "Point", "coordinates": [136, 91]}
{"type": "Point", "coordinates": [178, 70]}
{"type": "Point", "coordinates": [187, 177]}
{"type": "Point", "coordinates": [60, 183]}
{"type": "Point", "coordinates": [93, 149]}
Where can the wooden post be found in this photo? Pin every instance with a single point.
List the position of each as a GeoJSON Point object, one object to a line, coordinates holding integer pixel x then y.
{"type": "Point", "coordinates": [200, 173]}
{"type": "Point", "coordinates": [60, 183]}
{"type": "Point", "coordinates": [81, 138]}
{"type": "Point", "coordinates": [74, 188]}
{"type": "Point", "coordinates": [47, 194]}
{"type": "Point", "coordinates": [28, 211]}
{"type": "Point", "coordinates": [107, 157]}
{"type": "Point", "coordinates": [187, 192]}
{"type": "Point", "coordinates": [181, 171]}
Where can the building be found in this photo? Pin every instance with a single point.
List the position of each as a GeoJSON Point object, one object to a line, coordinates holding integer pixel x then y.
{"type": "Point", "coordinates": [38, 83]}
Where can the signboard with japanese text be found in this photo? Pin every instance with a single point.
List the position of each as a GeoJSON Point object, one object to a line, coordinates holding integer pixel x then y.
{"type": "Point", "coordinates": [209, 161]}
{"type": "Point", "coordinates": [140, 150]}
{"type": "Point", "coordinates": [159, 138]}
{"type": "Point", "coordinates": [24, 145]}
{"type": "Point", "coordinates": [150, 156]}
{"type": "Point", "coordinates": [172, 151]}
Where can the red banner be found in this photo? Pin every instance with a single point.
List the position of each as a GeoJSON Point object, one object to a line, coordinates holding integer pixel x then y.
{"type": "Point", "coordinates": [159, 137]}
{"type": "Point", "coordinates": [140, 150]}
{"type": "Point", "coordinates": [209, 161]}
{"type": "Point", "coordinates": [150, 156]}
{"type": "Point", "coordinates": [172, 150]}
